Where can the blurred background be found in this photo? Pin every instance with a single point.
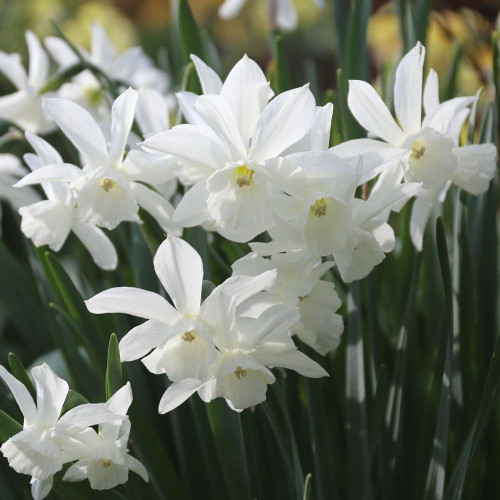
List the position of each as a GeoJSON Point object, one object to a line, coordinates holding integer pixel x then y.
{"type": "Point", "coordinates": [312, 48]}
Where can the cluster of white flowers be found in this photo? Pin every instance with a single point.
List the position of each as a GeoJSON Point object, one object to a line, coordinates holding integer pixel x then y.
{"type": "Point", "coordinates": [111, 186]}
{"type": "Point", "coordinates": [222, 347]}
{"type": "Point", "coordinates": [49, 440]}
{"type": "Point", "coordinates": [251, 162]}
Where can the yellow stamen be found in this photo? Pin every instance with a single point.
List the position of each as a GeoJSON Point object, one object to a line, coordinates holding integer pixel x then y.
{"type": "Point", "coordinates": [107, 184]}
{"type": "Point", "coordinates": [319, 207]}
{"type": "Point", "coordinates": [189, 336]}
{"type": "Point", "coordinates": [244, 176]}
{"type": "Point", "coordinates": [239, 372]}
{"type": "Point", "coordinates": [417, 150]}
{"type": "Point", "coordinates": [105, 462]}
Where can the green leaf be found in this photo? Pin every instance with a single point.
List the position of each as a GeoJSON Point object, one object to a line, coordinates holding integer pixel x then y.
{"type": "Point", "coordinates": [488, 404]}
{"type": "Point", "coordinates": [8, 427]}
{"type": "Point", "coordinates": [114, 367]}
{"type": "Point", "coordinates": [287, 447]}
{"type": "Point", "coordinates": [451, 87]}
{"type": "Point", "coordinates": [191, 40]}
{"type": "Point", "coordinates": [341, 108]}
{"type": "Point", "coordinates": [73, 399]}
{"type": "Point", "coordinates": [318, 424]}
{"type": "Point", "coordinates": [356, 61]}
{"type": "Point", "coordinates": [495, 41]}
{"type": "Point", "coordinates": [19, 371]}
{"type": "Point", "coordinates": [358, 456]}
{"type": "Point", "coordinates": [307, 487]}
{"type": "Point", "coordinates": [18, 294]}
{"type": "Point", "coordinates": [228, 435]}
{"type": "Point", "coordinates": [422, 11]}
{"type": "Point", "coordinates": [70, 299]}
{"type": "Point", "coordinates": [282, 79]}
{"type": "Point", "coordinates": [341, 15]}
{"type": "Point", "coordinates": [61, 77]}
{"type": "Point", "coordinates": [434, 487]}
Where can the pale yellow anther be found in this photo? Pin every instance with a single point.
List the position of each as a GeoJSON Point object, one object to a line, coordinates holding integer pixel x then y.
{"type": "Point", "coordinates": [417, 150]}
{"type": "Point", "coordinates": [189, 336]}
{"type": "Point", "coordinates": [244, 176]}
{"type": "Point", "coordinates": [239, 372]}
{"type": "Point", "coordinates": [105, 462]}
{"type": "Point", "coordinates": [107, 184]}
{"type": "Point", "coordinates": [319, 208]}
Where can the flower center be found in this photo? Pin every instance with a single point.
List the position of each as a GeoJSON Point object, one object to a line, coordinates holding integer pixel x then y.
{"type": "Point", "coordinates": [417, 150]}
{"type": "Point", "coordinates": [107, 184]}
{"type": "Point", "coordinates": [239, 372]}
{"type": "Point", "coordinates": [319, 208]}
{"type": "Point", "coordinates": [189, 336]}
{"type": "Point", "coordinates": [244, 176]}
{"type": "Point", "coordinates": [105, 462]}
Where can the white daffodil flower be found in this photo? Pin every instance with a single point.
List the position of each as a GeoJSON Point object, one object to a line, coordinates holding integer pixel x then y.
{"type": "Point", "coordinates": [11, 170]}
{"type": "Point", "coordinates": [153, 117]}
{"type": "Point", "coordinates": [179, 337]}
{"type": "Point", "coordinates": [282, 13]}
{"type": "Point", "coordinates": [246, 350]}
{"type": "Point", "coordinates": [23, 107]}
{"type": "Point", "coordinates": [107, 462]}
{"type": "Point", "coordinates": [131, 67]}
{"type": "Point", "coordinates": [237, 132]}
{"type": "Point", "coordinates": [50, 221]}
{"type": "Point", "coordinates": [109, 189]}
{"type": "Point", "coordinates": [320, 215]}
{"type": "Point", "coordinates": [47, 440]}
{"type": "Point", "coordinates": [298, 284]}
{"type": "Point", "coordinates": [427, 149]}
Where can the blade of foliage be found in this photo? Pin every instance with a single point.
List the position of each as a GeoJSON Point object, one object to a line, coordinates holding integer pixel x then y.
{"type": "Point", "coordinates": [61, 77]}
{"type": "Point", "coordinates": [227, 432]}
{"type": "Point", "coordinates": [451, 85]}
{"type": "Point", "coordinates": [8, 427]}
{"type": "Point", "coordinates": [489, 401]}
{"type": "Point", "coordinates": [422, 11]}
{"type": "Point", "coordinates": [356, 58]}
{"type": "Point", "coordinates": [191, 41]}
{"type": "Point", "coordinates": [17, 281]}
{"type": "Point", "coordinates": [73, 399]}
{"type": "Point", "coordinates": [282, 79]}
{"type": "Point", "coordinates": [358, 456]}
{"type": "Point", "coordinates": [437, 468]}
{"type": "Point", "coordinates": [69, 298]}
{"type": "Point", "coordinates": [113, 367]}
{"type": "Point", "coordinates": [307, 487]}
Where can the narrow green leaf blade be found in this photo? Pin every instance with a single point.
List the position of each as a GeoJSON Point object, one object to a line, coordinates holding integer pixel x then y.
{"type": "Point", "coordinates": [8, 427]}
{"type": "Point", "coordinates": [436, 474]}
{"type": "Point", "coordinates": [358, 456]}
{"type": "Point", "coordinates": [282, 80]}
{"type": "Point", "coordinates": [191, 41]}
{"type": "Point", "coordinates": [114, 367]}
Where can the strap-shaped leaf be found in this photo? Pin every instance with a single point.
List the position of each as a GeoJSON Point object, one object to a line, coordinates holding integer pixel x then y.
{"type": "Point", "coordinates": [8, 427]}
{"type": "Point", "coordinates": [114, 367]}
